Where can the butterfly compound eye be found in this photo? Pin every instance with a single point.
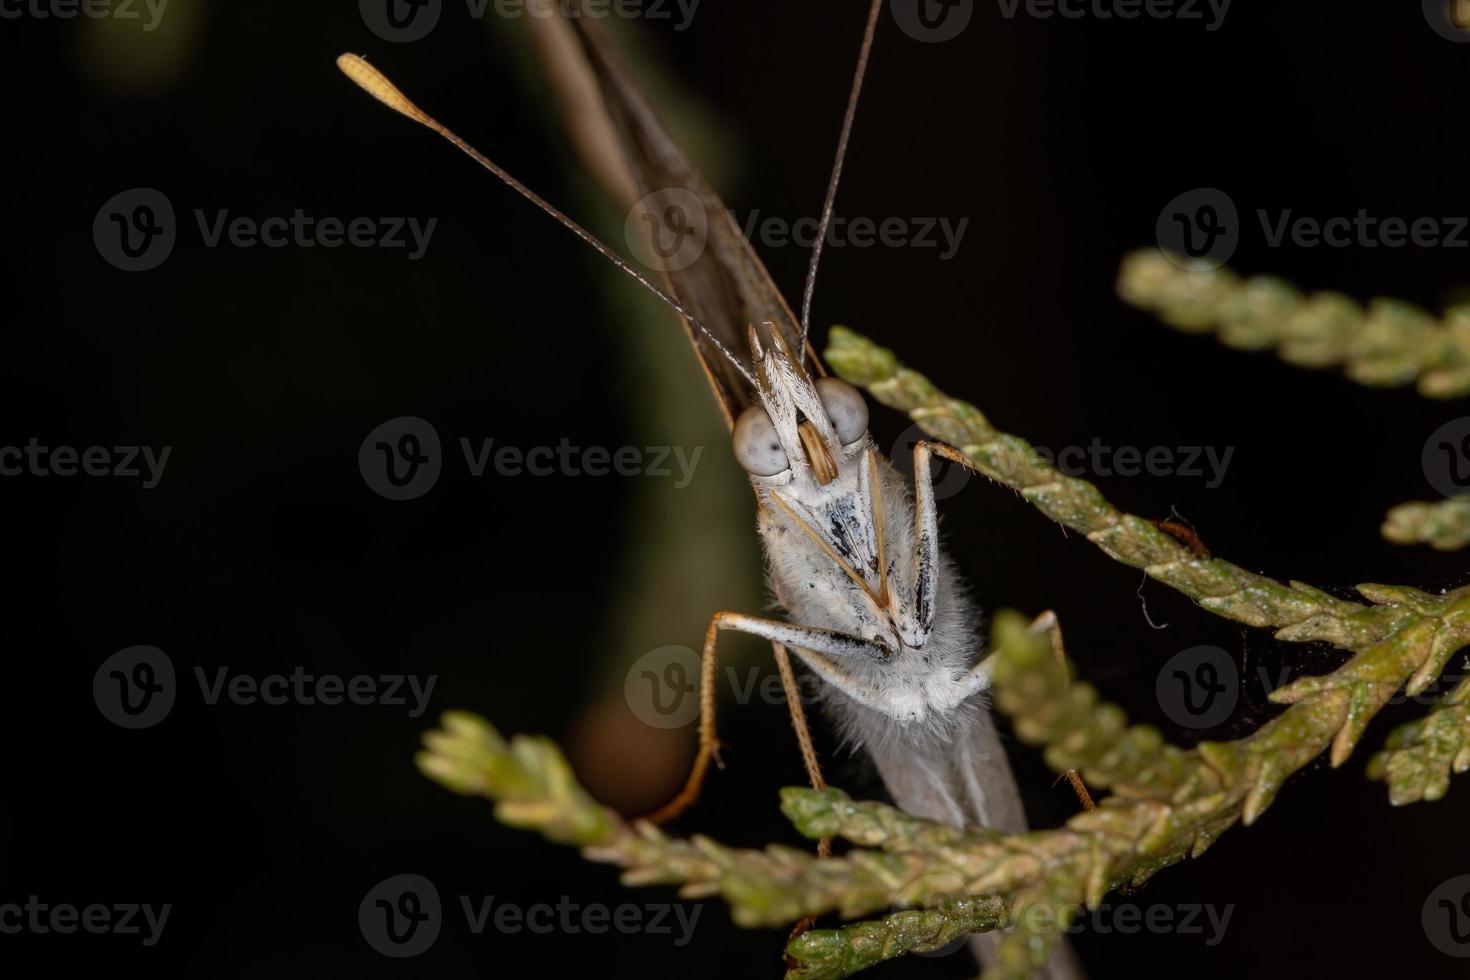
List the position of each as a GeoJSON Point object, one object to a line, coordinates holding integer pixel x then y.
{"type": "Point", "coordinates": [756, 446]}
{"type": "Point", "coordinates": [845, 407]}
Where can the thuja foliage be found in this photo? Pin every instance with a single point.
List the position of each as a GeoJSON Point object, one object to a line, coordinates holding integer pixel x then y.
{"type": "Point", "coordinates": [913, 885]}
{"type": "Point", "coordinates": [1388, 343]}
{"type": "Point", "coordinates": [1401, 638]}
{"type": "Point", "coordinates": [1443, 524]}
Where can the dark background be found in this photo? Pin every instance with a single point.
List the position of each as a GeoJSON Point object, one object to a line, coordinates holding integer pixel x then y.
{"type": "Point", "coordinates": [262, 549]}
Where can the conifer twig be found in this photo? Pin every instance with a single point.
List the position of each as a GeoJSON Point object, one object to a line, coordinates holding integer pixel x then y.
{"type": "Point", "coordinates": [1389, 343]}
{"type": "Point", "coordinates": [934, 882]}
{"type": "Point", "coordinates": [1421, 756]}
{"type": "Point", "coordinates": [1403, 638]}
{"type": "Point", "coordinates": [1444, 524]}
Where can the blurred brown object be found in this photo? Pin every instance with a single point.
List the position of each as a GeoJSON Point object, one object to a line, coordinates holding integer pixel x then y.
{"type": "Point", "coordinates": [629, 765]}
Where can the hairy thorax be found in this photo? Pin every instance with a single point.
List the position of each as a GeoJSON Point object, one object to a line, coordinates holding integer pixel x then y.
{"type": "Point", "coordinates": [911, 695]}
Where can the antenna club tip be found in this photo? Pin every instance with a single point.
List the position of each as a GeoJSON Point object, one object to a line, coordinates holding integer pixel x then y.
{"type": "Point", "coordinates": [355, 66]}
{"type": "Point", "coordinates": [376, 84]}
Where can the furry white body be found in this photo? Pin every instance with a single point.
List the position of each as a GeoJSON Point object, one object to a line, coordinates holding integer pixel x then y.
{"type": "Point", "coordinates": [919, 712]}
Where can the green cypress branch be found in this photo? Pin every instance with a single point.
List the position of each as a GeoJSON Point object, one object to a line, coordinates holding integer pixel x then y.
{"type": "Point", "coordinates": [1166, 804]}
{"type": "Point", "coordinates": [1421, 756]}
{"type": "Point", "coordinates": [1390, 343]}
{"type": "Point", "coordinates": [1403, 638]}
{"type": "Point", "coordinates": [1444, 524]}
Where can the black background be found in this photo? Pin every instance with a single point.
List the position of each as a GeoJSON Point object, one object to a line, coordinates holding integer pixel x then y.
{"type": "Point", "coordinates": [262, 549]}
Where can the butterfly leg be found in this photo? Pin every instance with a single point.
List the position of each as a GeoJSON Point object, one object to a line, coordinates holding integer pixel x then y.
{"type": "Point", "coordinates": [816, 645]}
{"type": "Point", "coordinates": [1047, 623]}
{"type": "Point", "coordinates": [926, 533]}
{"type": "Point", "coordinates": [926, 575]}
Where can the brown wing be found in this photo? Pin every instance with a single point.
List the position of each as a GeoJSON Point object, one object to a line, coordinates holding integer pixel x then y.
{"type": "Point", "coordinates": [627, 147]}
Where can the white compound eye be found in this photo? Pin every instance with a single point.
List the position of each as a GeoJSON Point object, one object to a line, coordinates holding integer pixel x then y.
{"type": "Point", "coordinates": [845, 407]}
{"type": "Point", "coordinates": [756, 446]}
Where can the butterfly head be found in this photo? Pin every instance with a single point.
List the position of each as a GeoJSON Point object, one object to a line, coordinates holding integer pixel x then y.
{"type": "Point", "coordinates": [801, 430]}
